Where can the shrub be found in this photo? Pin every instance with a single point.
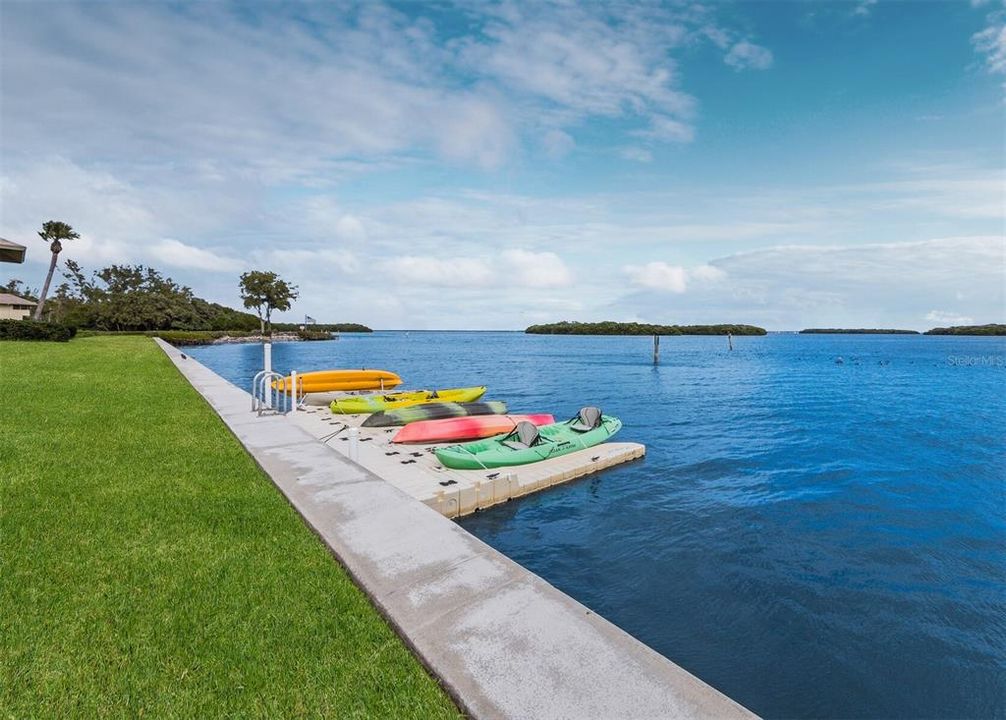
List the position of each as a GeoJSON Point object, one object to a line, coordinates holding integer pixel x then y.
{"type": "Point", "coordinates": [187, 337]}
{"type": "Point", "coordinates": [314, 334]}
{"type": "Point", "coordinates": [32, 330]}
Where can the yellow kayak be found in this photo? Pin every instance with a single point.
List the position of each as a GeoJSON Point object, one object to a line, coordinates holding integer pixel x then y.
{"type": "Point", "coordinates": [394, 401]}
{"type": "Point", "coordinates": [333, 380]}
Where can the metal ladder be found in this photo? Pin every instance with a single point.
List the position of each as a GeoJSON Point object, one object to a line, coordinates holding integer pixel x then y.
{"type": "Point", "coordinates": [269, 394]}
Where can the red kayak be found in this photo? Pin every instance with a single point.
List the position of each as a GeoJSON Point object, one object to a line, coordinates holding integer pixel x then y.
{"type": "Point", "coordinates": [464, 428]}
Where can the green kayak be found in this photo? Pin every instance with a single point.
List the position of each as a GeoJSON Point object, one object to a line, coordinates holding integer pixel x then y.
{"type": "Point", "coordinates": [433, 411]}
{"type": "Point", "coordinates": [528, 443]}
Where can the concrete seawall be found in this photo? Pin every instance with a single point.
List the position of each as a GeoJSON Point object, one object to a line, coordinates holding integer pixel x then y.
{"type": "Point", "coordinates": [501, 640]}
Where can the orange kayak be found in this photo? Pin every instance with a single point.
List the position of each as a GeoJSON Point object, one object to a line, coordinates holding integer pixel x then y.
{"type": "Point", "coordinates": [465, 428]}
{"type": "Point", "coordinates": [331, 380]}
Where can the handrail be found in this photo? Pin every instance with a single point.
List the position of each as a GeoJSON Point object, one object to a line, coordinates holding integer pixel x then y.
{"type": "Point", "coordinates": [268, 394]}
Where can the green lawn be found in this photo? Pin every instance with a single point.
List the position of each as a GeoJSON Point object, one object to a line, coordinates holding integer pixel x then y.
{"type": "Point", "coordinates": [149, 568]}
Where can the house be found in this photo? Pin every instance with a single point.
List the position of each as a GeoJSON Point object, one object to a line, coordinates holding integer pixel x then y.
{"type": "Point", "coordinates": [11, 252]}
{"type": "Point", "coordinates": [13, 307]}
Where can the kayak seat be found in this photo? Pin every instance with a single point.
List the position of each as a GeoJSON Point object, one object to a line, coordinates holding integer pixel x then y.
{"type": "Point", "coordinates": [524, 436]}
{"type": "Point", "coordinates": [587, 419]}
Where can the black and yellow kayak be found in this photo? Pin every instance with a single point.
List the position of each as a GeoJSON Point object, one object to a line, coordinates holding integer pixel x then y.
{"type": "Point", "coordinates": [434, 411]}
{"type": "Point", "coordinates": [393, 401]}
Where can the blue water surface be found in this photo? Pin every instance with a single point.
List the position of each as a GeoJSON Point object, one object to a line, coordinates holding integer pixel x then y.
{"type": "Point", "coordinates": [817, 530]}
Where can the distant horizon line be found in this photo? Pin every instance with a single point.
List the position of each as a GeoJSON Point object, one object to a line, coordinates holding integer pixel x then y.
{"type": "Point", "coordinates": [524, 332]}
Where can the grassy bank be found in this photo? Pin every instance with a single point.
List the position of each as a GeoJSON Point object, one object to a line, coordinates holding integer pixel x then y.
{"type": "Point", "coordinates": [149, 568]}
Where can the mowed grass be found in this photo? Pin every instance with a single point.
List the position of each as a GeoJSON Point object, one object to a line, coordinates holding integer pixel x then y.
{"type": "Point", "coordinates": [149, 568]}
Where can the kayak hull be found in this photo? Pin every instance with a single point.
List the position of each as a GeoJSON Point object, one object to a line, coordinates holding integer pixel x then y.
{"type": "Point", "coordinates": [465, 428]}
{"type": "Point", "coordinates": [434, 411]}
{"type": "Point", "coordinates": [393, 401]}
{"type": "Point", "coordinates": [341, 380]}
{"type": "Point", "coordinates": [558, 439]}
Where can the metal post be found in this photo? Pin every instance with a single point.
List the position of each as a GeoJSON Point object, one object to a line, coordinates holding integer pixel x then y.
{"type": "Point", "coordinates": [267, 360]}
{"type": "Point", "coordinates": [354, 444]}
{"type": "Point", "coordinates": [656, 349]}
{"type": "Point", "coordinates": [293, 389]}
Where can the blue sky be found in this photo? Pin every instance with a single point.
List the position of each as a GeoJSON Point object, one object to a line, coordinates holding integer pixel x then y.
{"type": "Point", "coordinates": [787, 164]}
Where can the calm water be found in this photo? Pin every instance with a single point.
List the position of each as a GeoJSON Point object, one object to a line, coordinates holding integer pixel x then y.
{"type": "Point", "coordinates": [812, 537]}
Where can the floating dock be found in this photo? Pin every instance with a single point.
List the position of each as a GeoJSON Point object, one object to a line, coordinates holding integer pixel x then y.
{"type": "Point", "coordinates": [415, 469]}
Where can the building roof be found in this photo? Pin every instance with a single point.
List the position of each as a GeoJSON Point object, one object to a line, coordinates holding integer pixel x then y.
{"type": "Point", "coordinates": [11, 251]}
{"type": "Point", "coordinates": [8, 299]}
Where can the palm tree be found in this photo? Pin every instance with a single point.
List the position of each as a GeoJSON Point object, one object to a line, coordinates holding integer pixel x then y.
{"type": "Point", "coordinates": [53, 232]}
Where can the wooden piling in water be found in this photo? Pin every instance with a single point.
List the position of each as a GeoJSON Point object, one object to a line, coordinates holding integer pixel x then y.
{"type": "Point", "coordinates": [656, 349]}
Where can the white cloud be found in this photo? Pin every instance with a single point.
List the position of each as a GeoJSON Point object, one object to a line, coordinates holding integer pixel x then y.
{"type": "Point", "coordinates": [264, 94]}
{"type": "Point", "coordinates": [991, 42]}
{"type": "Point", "coordinates": [331, 244]}
{"type": "Point", "coordinates": [658, 276]}
{"type": "Point", "coordinates": [557, 144]}
{"type": "Point", "coordinates": [307, 94]}
{"type": "Point", "coordinates": [949, 318]}
{"type": "Point", "coordinates": [536, 269]}
{"type": "Point", "coordinates": [661, 276]}
{"type": "Point", "coordinates": [708, 273]}
{"type": "Point", "coordinates": [451, 272]}
{"type": "Point", "coordinates": [665, 129]}
{"type": "Point", "coordinates": [974, 194]}
{"type": "Point", "coordinates": [584, 60]}
{"type": "Point", "coordinates": [864, 7]}
{"type": "Point", "coordinates": [311, 261]}
{"type": "Point", "coordinates": [796, 286]}
{"type": "Point", "coordinates": [746, 55]}
{"type": "Point", "coordinates": [177, 254]}
{"type": "Point", "coordinates": [636, 154]}
{"type": "Point", "coordinates": [718, 36]}
{"type": "Point", "coordinates": [513, 267]}
{"type": "Point", "coordinates": [350, 228]}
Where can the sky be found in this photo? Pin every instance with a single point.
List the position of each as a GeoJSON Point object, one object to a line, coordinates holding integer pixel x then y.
{"type": "Point", "coordinates": [493, 165]}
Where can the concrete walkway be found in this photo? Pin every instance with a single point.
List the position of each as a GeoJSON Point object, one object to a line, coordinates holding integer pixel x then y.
{"type": "Point", "coordinates": [502, 641]}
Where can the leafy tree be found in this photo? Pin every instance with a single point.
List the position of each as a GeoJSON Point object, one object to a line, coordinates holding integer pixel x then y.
{"type": "Point", "coordinates": [16, 287]}
{"type": "Point", "coordinates": [53, 232]}
{"type": "Point", "coordinates": [134, 297]}
{"type": "Point", "coordinates": [265, 292]}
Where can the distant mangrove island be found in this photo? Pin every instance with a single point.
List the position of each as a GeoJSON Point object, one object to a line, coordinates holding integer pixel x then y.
{"type": "Point", "coordinates": [622, 328]}
{"type": "Point", "coordinates": [856, 331]}
{"type": "Point", "coordinates": [990, 329]}
{"type": "Point", "coordinates": [608, 327]}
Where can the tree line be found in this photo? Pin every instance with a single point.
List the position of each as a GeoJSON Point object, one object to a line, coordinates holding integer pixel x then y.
{"type": "Point", "coordinates": [609, 327]}
{"type": "Point", "coordinates": [136, 297]}
{"type": "Point", "coordinates": [990, 329]}
{"type": "Point", "coordinates": [140, 298]}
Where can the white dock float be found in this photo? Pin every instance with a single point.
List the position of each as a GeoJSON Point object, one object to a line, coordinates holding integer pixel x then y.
{"type": "Point", "coordinates": [415, 470]}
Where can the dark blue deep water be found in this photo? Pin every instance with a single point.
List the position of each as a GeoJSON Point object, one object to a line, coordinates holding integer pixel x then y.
{"type": "Point", "coordinates": [815, 538]}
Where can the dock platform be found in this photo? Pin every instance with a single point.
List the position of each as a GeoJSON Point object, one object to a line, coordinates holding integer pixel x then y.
{"type": "Point", "coordinates": [415, 469]}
